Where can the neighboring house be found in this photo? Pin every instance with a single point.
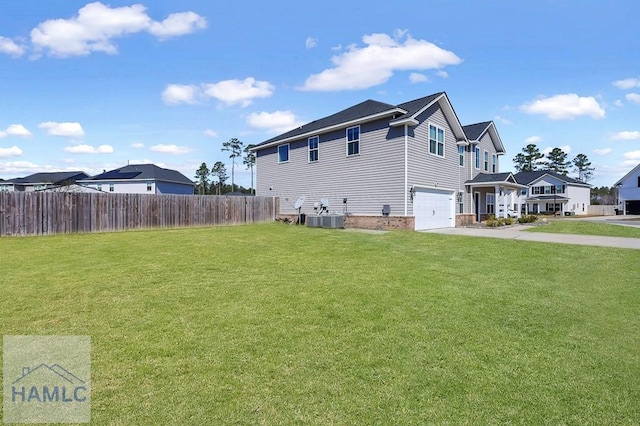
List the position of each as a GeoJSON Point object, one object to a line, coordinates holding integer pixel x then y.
{"type": "Point", "coordinates": [42, 181]}
{"type": "Point", "coordinates": [140, 179]}
{"type": "Point", "coordinates": [629, 192]}
{"type": "Point", "coordinates": [550, 192]}
{"type": "Point", "coordinates": [412, 159]}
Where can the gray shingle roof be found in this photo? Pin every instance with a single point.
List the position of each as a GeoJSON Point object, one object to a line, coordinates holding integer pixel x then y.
{"type": "Point", "coordinates": [490, 177]}
{"type": "Point", "coordinates": [361, 110]}
{"type": "Point", "coordinates": [143, 171]}
{"type": "Point", "coordinates": [525, 178]}
{"type": "Point", "coordinates": [473, 131]}
{"type": "Point", "coordinates": [50, 177]}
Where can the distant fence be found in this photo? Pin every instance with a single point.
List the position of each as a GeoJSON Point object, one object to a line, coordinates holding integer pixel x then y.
{"type": "Point", "coordinates": [48, 213]}
{"type": "Point", "coordinates": [602, 210]}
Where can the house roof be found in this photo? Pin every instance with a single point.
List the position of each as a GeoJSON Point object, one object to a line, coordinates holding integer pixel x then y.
{"type": "Point", "coordinates": [404, 113]}
{"type": "Point", "coordinates": [142, 172]}
{"type": "Point", "coordinates": [627, 175]}
{"type": "Point", "coordinates": [475, 131]}
{"type": "Point", "coordinates": [49, 178]}
{"type": "Point", "coordinates": [494, 178]}
{"type": "Point", "coordinates": [527, 178]}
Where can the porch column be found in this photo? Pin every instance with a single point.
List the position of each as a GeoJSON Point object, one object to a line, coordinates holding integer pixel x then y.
{"type": "Point", "coordinates": [496, 201]}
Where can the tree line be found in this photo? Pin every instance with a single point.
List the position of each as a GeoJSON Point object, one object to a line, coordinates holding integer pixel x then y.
{"type": "Point", "coordinates": [213, 181]}
{"type": "Point", "coordinates": [531, 159]}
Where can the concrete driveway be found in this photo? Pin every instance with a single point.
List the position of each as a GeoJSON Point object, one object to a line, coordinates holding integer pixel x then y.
{"type": "Point", "coordinates": [517, 232]}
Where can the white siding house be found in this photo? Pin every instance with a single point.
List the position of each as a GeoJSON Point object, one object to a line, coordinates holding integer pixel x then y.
{"type": "Point", "coordinates": [548, 192]}
{"type": "Point", "coordinates": [629, 192]}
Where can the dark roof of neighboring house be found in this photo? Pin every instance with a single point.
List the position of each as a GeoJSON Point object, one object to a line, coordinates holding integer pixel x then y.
{"type": "Point", "coordinates": [557, 197]}
{"type": "Point", "coordinates": [50, 177]}
{"type": "Point", "coordinates": [525, 178]}
{"type": "Point", "coordinates": [474, 131]}
{"type": "Point", "coordinates": [143, 171]}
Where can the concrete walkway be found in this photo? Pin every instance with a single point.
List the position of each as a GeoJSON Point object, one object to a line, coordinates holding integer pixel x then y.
{"type": "Point", "coordinates": [517, 233]}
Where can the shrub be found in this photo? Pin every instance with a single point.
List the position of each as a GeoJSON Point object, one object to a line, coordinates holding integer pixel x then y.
{"type": "Point", "coordinates": [527, 218]}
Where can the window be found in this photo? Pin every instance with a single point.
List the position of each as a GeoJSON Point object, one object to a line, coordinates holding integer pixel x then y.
{"type": "Point", "coordinates": [638, 181]}
{"type": "Point", "coordinates": [283, 153]}
{"type": "Point", "coordinates": [149, 186]}
{"type": "Point", "coordinates": [552, 208]}
{"type": "Point", "coordinates": [486, 161]}
{"type": "Point", "coordinates": [353, 140]}
{"type": "Point", "coordinates": [491, 203]}
{"type": "Point", "coordinates": [461, 154]}
{"type": "Point", "coordinates": [4, 188]}
{"type": "Point", "coordinates": [477, 153]}
{"type": "Point", "coordinates": [111, 187]}
{"type": "Point", "coordinates": [523, 191]}
{"type": "Point", "coordinates": [313, 149]}
{"type": "Point", "coordinates": [436, 140]}
{"type": "Point", "coordinates": [494, 163]}
{"type": "Point", "coordinates": [99, 187]}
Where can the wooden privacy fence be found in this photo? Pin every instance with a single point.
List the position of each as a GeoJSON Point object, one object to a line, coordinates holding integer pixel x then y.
{"type": "Point", "coordinates": [47, 213]}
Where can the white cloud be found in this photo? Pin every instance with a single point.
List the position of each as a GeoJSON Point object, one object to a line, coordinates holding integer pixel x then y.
{"type": "Point", "coordinates": [278, 121]}
{"type": "Point", "coordinates": [88, 149]}
{"type": "Point", "coordinates": [311, 42]}
{"type": "Point", "coordinates": [633, 97]}
{"type": "Point", "coordinates": [178, 24]}
{"type": "Point", "coordinates": [618, 103]}
{"type": "Point", "coordinates": [211, 133]}
{"type": "Point", "coordinates": [11, 48]}
{"type": "Point", "coordinates": [180, 94]}
{"type": "Point", "coordinates": [10, 152]}
{"type": "Point", "coordinates": [627, 83]}
{"type": "Point", "coordinates": [442, 74]}
{"type": "Point", "coordinates": [71, 130]}
{"type": "Point", "coordinates": [239, 91]}
{"type": "Point", "coordinates": [565, 107]}
{"type": "Point", "coordinates": [632, 156]}
{"type": "Point", "coordinates": [502, 120]}
{"type": "Point", "coordinates": [137, 145]}
{"type": "Point", "coordinates": [15, 130]}
{"type": "Point", "coordinates": [96, 25]}
{"type": "Point", "coordinates": [533, 139]}
{"type": "Point", "coordinates": [374, 64]}
{"type": "Point", "coordinates": [416, 77]}
{"type": "Point", "coordinates": [626, 136]}
{"type": "Point", "coordinates": [170, 149]}
{"type": "Point", "coordinates": [603, 151]}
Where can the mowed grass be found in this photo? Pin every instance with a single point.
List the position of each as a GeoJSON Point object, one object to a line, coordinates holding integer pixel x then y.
{"type": "Point", "coordinates": [277, 324]}
{"type": "Point", "coordinates": [581, 227]}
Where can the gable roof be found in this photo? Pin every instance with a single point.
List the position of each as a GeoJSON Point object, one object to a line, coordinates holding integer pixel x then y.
{"type": "Point", "coordinates": [52, 178]}
{"type": "Point", "coordinates": [475, 131]}
{"type": "Point", "coordinates": [494, 178]}
{"type": "Point", "coordinates": [142, 172]}
{"type": "Point", "coordinates": [369, 110]}
{"type": "Point", "coordinates": [623, 178]}
{"type": "Point", "coordinates": [527, 178]}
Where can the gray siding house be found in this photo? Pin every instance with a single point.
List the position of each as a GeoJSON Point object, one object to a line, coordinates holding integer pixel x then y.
{"type": "Point", "coordinates": [140, 179]}
{"type": "Point", "coordinates": [42, 181]}
{"type": "Point", "coordinates": [415, 157]}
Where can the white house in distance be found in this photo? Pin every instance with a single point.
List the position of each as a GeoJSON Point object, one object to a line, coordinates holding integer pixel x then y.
{"type": "Point", "coordinates": [140, 179]}
{"type": "Point", "coordinates": [549, 192]}
{"type": "Point", "coordinates": [629, 192]}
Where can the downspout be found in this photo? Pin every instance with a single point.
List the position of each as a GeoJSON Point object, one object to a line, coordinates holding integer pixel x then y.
{"type": "Point", "coordinates": [406, 169]}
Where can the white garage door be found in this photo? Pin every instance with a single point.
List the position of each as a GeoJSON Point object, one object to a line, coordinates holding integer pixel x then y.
{"type": "Point", "coordinates": [434, 208]}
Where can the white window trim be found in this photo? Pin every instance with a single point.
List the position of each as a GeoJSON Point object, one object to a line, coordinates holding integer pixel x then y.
{"type": "Point", "coordinates": [316, 149]}
{"type": "Point", "coordinates": [494, 163]}
{"type": "Point", "coordinates": [288, 152]}
{"type": "Point", "coordinates": [444, 140]}
{"type": "Point", "coordinates": [485, 161]}
{"type": "Point", "coordinates": [476, 159]}
{"type": "Point", "coordinates": [487, 203]}
{"type": "Point", "coordinates": [346, 137]}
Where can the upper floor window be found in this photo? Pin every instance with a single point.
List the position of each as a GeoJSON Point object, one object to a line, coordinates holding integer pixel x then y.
{"type": "Point", "coordinates": [111, 187]}
{"type": "Point", "coordinates": [461, 154]}
{"type": "Point", "coordinates": [436, 140]}
{"type": "Point", "coordinates": [638, 181]}
{"type": "Point", "coordinates": [149, 186]}
{"type": "Point", "coordinates": [494, 163]}
{"type": "Point", "coordinates": [477, 157]}
{"type": "Point", "coordinates": [486, 161]}
{"type": "Point", "coordinates": [99, 187]}
{"type": "Point", "coordinates": [353, 140]}
{"type": "Point", "coordinates": [313, 149]}
{"type": "Point", "coordinates": [283, 153]}
{"type": "Point", "coordinates": [4, 188]}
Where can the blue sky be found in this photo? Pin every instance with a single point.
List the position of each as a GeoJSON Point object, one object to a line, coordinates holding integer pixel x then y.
{"type": "Point", "coordinates": [92, 86]}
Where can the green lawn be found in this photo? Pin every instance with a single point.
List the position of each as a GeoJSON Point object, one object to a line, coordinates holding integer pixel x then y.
{"type": "Point", "coordinates": [581, 227]}
{"type": "Point", "coordinates": [278, 324]}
